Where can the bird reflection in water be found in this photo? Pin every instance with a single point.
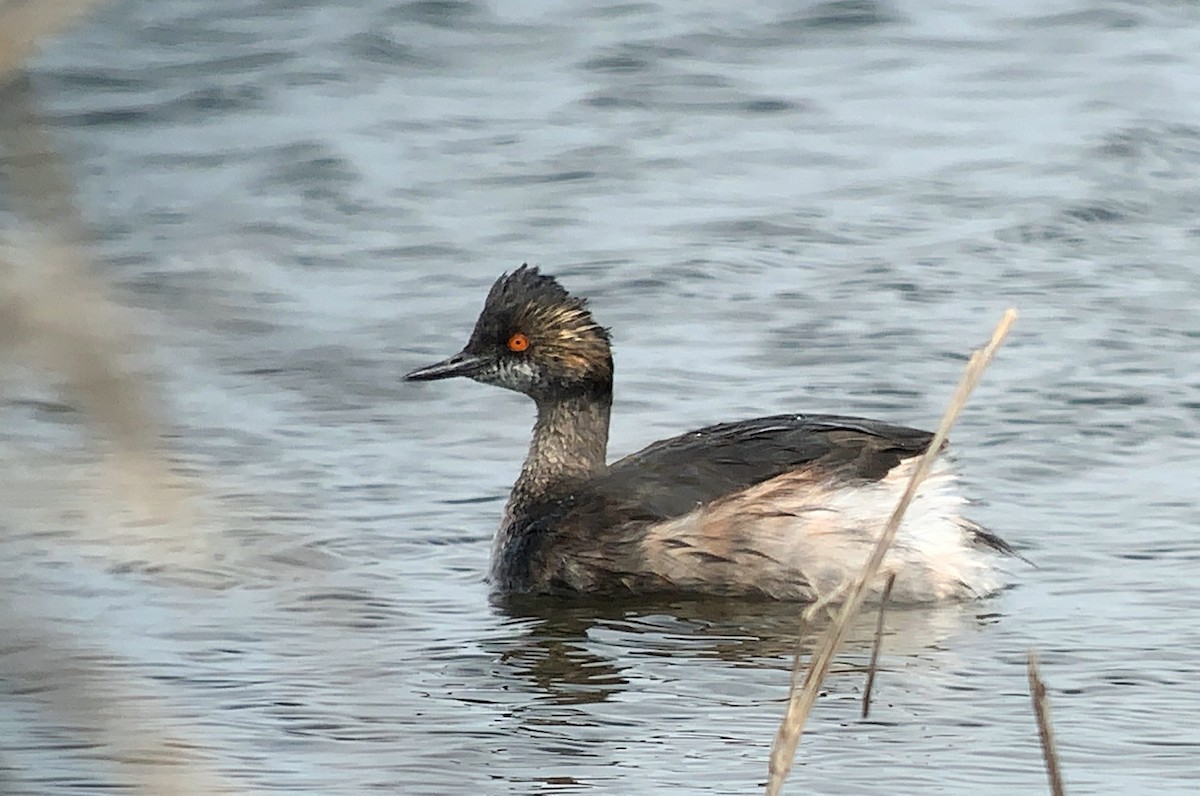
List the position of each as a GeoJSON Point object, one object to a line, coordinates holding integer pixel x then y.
{"type": "Point", "coordinates": [580, 651]}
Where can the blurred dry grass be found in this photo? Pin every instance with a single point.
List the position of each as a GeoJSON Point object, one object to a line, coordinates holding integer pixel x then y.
{"type": "Point", "coordinates": [76, 687]}
{"type": "Point", "coordinates": [57, 318]}
{"type": "Point", "coordinates": [55, 314]}
{"type": "Point", "coordinates": [23, 23]}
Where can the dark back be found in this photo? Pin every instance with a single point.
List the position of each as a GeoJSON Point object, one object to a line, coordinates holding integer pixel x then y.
{"type": "Point", "coordinates": [674, 476]}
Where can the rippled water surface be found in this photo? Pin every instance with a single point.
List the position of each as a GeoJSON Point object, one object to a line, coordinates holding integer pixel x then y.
{"type": "Point", "coordinates": [776, 207]}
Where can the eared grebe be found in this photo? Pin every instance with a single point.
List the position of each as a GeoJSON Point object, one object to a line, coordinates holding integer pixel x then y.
{"type": "Point", "coordinates": [786, 507]}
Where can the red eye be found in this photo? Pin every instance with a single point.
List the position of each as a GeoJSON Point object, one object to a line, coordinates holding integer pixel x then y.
{"type": "Point", "coordinates": [518, 342]}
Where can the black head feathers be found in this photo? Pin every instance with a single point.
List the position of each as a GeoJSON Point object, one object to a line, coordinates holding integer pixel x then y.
{"type": "Point", "coordinates": [533, 337]}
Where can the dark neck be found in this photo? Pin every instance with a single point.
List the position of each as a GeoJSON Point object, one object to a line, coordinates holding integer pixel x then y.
{"type": "Point", "coordinates": [570, 440]}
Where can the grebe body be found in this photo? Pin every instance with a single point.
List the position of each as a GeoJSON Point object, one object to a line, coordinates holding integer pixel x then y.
{"type": "Point", "coordinates": [785, 507]}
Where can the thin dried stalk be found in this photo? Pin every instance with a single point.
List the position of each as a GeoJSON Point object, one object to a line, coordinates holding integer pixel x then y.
{"type": "Point", "coordinates": [1041, 709]}
{"type": "Point", "coordinates": [871, 668]}
{"type": "Point", "coordinates": [800, 703]}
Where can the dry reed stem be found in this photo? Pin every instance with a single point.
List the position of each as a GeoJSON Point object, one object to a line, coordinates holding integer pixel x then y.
{"type": "Point", "coordinates": [871, 667]}
{"type": "Point", "coordinates": [1041, 709]}
{"type": "Point", "coordinates": [800, 704]}
{"type": "Point", "coordinates": [24, 22]}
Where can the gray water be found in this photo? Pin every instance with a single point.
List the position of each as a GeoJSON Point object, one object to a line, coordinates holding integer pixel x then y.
{"type": "Point", "coordinates": [776, 207]}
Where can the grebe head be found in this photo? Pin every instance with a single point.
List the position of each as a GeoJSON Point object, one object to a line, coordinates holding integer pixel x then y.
{"type": "Point", "coordinates": [533, 337]}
